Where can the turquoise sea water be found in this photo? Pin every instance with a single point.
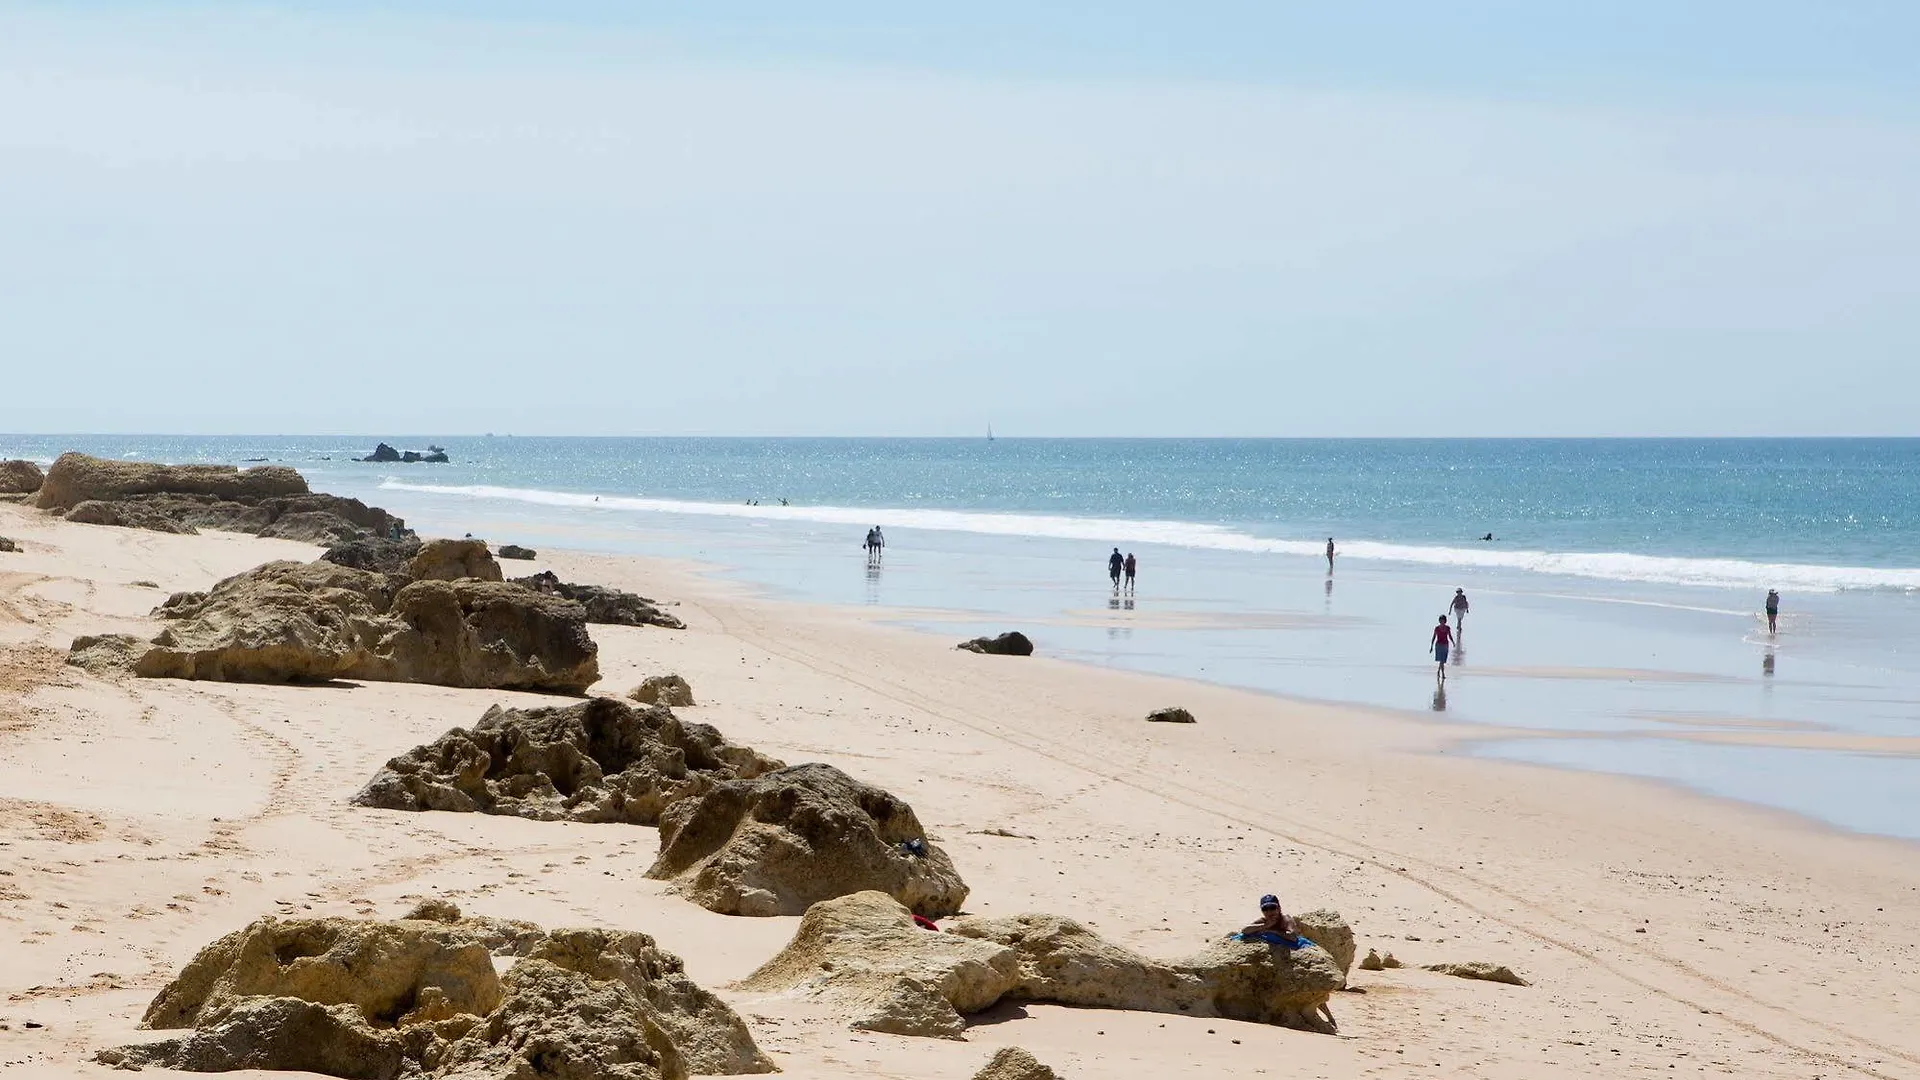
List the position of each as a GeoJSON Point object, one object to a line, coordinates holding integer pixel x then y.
{"type": "Point", "coordinates": [1615, 614]}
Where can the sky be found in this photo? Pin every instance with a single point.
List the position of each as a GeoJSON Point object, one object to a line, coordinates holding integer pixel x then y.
{"type": "Point", "coordinates": [1478, 218]}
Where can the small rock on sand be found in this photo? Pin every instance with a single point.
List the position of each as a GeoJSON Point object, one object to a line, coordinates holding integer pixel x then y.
{"type": "Point", "coordinates": [669, 690]}
{"type": "Point", "coordinates": [1011, 643]}
{"type": "Point", "coordinates": [1175, 715]}
{"type": "Point", "coordinates": [8, 545]}
{"type": "Point", "coordinates": [1481, 970]}
{"type": "Point", "coordinates": [1015, 1063]}
{"type": "Point", "coordinates": [515, 551]}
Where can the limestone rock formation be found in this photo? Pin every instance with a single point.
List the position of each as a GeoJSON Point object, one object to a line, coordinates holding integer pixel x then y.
{"type": "Point", "coordinates": [1329, 931]}
{"type": "Point", "coordinates": [76, 478]}
{"type": "Point", "coordinates": [1481, 970]}
{"type": "Point", "coordinates": [451, 560]}
{"type": "Point", "coordinates": [376, 553]}
{"type": "Point", "coordinates": [777, 843]}
{"type": "Point", "coordinates": [127, 515]}
{"type": "Point", "coordinates": [1014, 1063]}
{"type": "Point", "coordinates": [598, 761]}
{"type": "Point", "coordinates": [423, 998]}
{"type": "Point", "coordinates": [663, 690]}
{"type": "Point", "coordinates": [515, 551]}
{"type": "Point", "coordinates": [290, 622]}
{"type": "Point", "coordinates": [1011, 643]}
{"type": "Point", "coordinates": [604, 605]}
{"type": "Point", "coordinates": [1174, 715]}
{"type": "Point", "coordinates": [864, 954]}
{"type": "Point", "coordinates": [19, 477]}
{"type": "Point", "coordinates": [271, 501]}
{"type": "Point", "coordinates": [1062, 961]}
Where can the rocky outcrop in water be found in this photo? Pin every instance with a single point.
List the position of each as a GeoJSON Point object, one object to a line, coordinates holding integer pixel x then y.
{"type": "Point", "coordinates": [422, 997]}
{"type": "Point", "coordinates": [270, 500]}
{"type": "Point", "coordinates": [20, 477]}
{"type": "Point", "coordinates": [293, 622]}
{"type": "Point", "coordinates": [865, 954]}
{"type": "Point", "coordinates": [777, 843]}
{"type": "Point", "coordinates": [1011, 643]}
{"type": "Point", "coordinates": [385, 453]}
{"type": "Point", "coordinates": [604, 605]}
{"type": "Point", "coordinates": [597, 761]}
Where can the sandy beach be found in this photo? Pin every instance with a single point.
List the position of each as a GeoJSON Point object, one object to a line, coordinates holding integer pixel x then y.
{"type": "Point", "coordinates": [141, 819]}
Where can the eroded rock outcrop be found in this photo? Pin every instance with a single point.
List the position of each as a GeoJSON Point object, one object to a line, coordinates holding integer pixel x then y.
{"type": "Point", "coordinates": [604, 605]}
{"type": "Point", "coordinates": [663, 690]}
{"type": "Point", "coordinates": [423, 997]}
{"type": "Point", "coordinates": [597, 761]}
{"type": "Point", "coordinates": [270, 500]}
{"type": "Point", "coordinates": [76, 478]}
{"type": "Point", "coordinates": [865, 954]}
{"type": "Point", "coordinates": [289, 622]}
{"type": "Point", "coordinates": [20, 477]}
{"type": "Point", "coordinates": [451, 560]}
{"type": "Point", "coordinates": [1011, 643]}
{"type": "Point", "coordinates": [379, 554]}
{"type": "Point", "coordinates": [780, 842]}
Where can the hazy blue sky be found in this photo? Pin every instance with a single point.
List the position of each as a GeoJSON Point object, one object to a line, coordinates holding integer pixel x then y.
{"type": "Point", "coordinates": [1481, 217]}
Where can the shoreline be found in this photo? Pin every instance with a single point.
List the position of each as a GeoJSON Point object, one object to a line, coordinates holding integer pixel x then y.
{"type": "Point", "coordinates": [1436, 854]}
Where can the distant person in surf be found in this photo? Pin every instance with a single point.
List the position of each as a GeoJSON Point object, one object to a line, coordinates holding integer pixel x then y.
{"type": "Point", "coordinates": [1116, 565]}
{"type": "Point", "coordinates": [1459, 607]}
{"type": "Point", "coordinates": [1773, 611]}
{"type": "Point", "coordinates": [1131, 566]}
{"type": "Point", "coordinates": [1487, 537]}
{"type": "Point", "coordinates": [876, 543]}
{"type": "Point", "coordinates": [1441, 643]}
{"type": "Point", "coordinates": [1329, 554]}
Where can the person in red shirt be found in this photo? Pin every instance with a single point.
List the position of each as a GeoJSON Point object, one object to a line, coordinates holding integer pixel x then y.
{"type": "Point", "coordinates": [1441, 643]}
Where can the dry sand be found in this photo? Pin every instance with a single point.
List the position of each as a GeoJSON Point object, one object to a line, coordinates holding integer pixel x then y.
{"type": "Point", "coordinates": [1664, 933]}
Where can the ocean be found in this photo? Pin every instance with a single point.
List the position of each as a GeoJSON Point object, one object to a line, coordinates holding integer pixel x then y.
{"type": "Point", "coordinates": [1615, 621]}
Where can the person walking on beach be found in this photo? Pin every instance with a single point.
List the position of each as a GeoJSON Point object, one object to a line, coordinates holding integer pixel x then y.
{"type": "Point", "coordinates": [1116, 563]}
{"type": "Point", "coordinates": [1329, 554]}
{"type": "Point", "coordinates": [1131, 566]}
{"type": "Point", "coordinates": [1441, 643]}
{"type": "Point", "coordinates": [1459, 606]}
{"type": "Point", "coordinates": [1773, 611]}
{"type": "Point", "coordinates": [876, 543]}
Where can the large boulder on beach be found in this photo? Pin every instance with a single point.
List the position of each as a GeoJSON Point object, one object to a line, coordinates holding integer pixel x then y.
{"type": "Point", "coordinates": [271, 501]}
{"type": "Point", "coordinates": [1011, 643]}
{"type": "Point", "coordinates": [76, 478]}
{"type": "Point", "coordinates": [613, 607]}
{"type": "Point", "coordinates": [451, 560]}
{"type": "Point", "coordinates": [598, 761]}
{"type": "Point", "coordinates": [20, 477]}
{"type": "Point", "coordinates": [1330, 931]}
{"type": "Point", "coordinates": [296, 622]}
{"type": "Point", "coordinates": [777, 843]}
{"type": "Point", "coordinates": [864, 955]}
{"type": "Point", "coordinates": [422, 997]}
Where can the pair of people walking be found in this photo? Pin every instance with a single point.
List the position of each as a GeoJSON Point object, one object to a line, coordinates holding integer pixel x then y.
{"type": "Point", "coordinates": [1445, 636]}
{"type": "Point", "coordinates": [1122, 566]}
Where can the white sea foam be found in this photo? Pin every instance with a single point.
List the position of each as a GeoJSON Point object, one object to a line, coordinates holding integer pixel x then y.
{"type": "Point", "coordinates": [1610, 566]}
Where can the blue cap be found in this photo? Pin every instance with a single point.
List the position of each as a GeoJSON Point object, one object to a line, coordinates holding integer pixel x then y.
{"type": "Point", "coordinates": [1268, 901]}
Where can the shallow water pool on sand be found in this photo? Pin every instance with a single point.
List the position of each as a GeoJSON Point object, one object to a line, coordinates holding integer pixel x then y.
{"type": "Point", "coordinates": [1871, 793]}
